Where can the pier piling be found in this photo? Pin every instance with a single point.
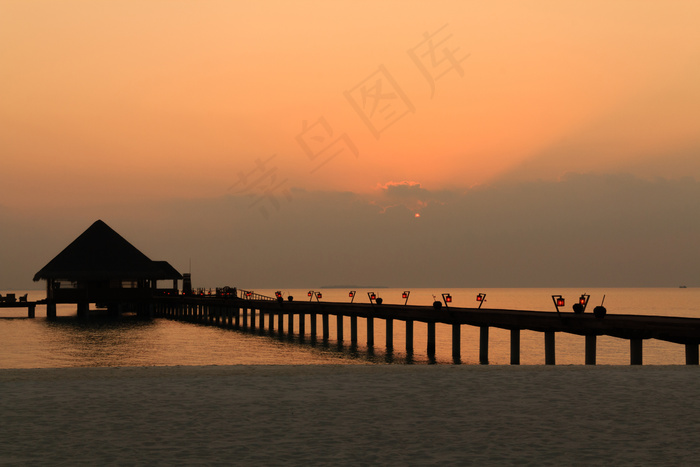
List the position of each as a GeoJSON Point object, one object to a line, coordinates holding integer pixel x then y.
{"type": "Point", "coordinates": [549, 348]}
{"type": "Point", "coordinates": [389, 334]}
{"type": "Point", "coordinates": [431, 340]}
{"type": "Point", "coordinates": [515, 346]}
{"type": "Point", "coordinates": [456, 343]}
{"type": "Point", "coordinates": [484, 345]}
{"type": "Point", "coordinates": [636, 347]}
{"type": "Point", "coordinates": [692, 354]}
{"type": "Point", "coordinates": [591, 349]}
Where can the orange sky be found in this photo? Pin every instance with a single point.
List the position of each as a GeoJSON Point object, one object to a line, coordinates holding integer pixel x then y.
{"type": "Point", "coordinates": [106, 101]}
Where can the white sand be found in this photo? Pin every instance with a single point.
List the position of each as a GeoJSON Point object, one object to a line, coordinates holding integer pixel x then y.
{"type": "Point", "coordinates": [351, 415]}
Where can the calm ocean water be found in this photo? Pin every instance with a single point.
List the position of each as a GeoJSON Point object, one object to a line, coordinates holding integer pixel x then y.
{"type": "Point", "coordinates": [99, 341]}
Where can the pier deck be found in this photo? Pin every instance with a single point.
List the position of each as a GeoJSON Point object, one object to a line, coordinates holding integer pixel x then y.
{"type": "Point", "coordinates": [635, 328]}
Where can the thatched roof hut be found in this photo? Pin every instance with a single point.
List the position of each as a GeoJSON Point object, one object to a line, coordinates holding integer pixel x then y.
{"type": "Point", "coordinates": [101, 260]}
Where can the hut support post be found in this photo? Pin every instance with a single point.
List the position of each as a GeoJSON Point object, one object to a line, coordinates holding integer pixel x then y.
{"type": "Point", "coordinates": [515, 346]}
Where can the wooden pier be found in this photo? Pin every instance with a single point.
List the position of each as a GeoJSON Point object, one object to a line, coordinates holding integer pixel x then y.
{"type": "Point", "coordinates": [30, 306]}
{"type": "Point", "coordinates": [241, 313]}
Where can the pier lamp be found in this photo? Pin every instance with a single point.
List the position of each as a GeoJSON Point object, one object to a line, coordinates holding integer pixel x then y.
{"type": "Point", "coordinates": [405, 296]}
{"type": "Point", "coordinates": [278, 294]}
{"type": "Point", "coordinates": [319, 295]}
{"type": "Point", "coordinates": [352, 296]}
{"type": "Point", "coordinates": [248, 293]}
{"type": "Point", "coordinates": [372, 296]}
{"type": "Point", "coordinates": [311, 295]}
{"type": "Point", "coordinates": [447, 298]}
{"type": "Point", "coordinates": [580, 307]}
{"type": "Point", "coordinates": [481, 298]}
{"type": "Point", "coordinates": [558, 301]}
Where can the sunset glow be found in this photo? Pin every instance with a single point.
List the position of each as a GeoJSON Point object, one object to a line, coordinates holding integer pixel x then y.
{"type": "Point", "coordinates": [399, 109]}
{"type": "Point", "coordinates": [132, 99]}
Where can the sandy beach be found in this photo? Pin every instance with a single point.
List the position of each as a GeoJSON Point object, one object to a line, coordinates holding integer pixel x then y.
{"type": "Point", "coordinates": [351, 415]}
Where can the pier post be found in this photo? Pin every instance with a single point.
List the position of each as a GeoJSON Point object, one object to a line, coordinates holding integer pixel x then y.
{"type": "Point", "coordinates": [691, 354]}
{"type": "Point", "coordinates": [370, 332]}
{"type": "Point", "coordinates": [353, 330]}
{"type": "Point", "coordinates": [237, 317]}
{"type": "Point", "coordinates": [484, 345]}
{"type": "Point", "coordinates": [280, 323]}
{"type": "Point", "coordinates": [271, 322]}
{"type": "Point", "coordinates": [261, 324]}
{"type": "Point", "coordinates": [245, 317]}
{"type": "Point", "coordinates": [302, 325]}
{"type": "Point", "coordinates": [456, 343]}
{"type": "Point", "coordinates": [636, 351]}
{"type": "Point", "coordinates": [431, 340]}
{"type": "Point", "coordinates": [549, 348]}
{"type": "Point", "coordinates": [31, 311]}
{"type": "Point", "coordinates": [290, 324]}
{"type": "Point", "coordinates": [409, 336]}
{"type": "Point", "coordinates": [324, 323]}
{"type": "Point", "coordinates": [389, 334]}
{"type": "Point", "coordinates": [252, 319]}
{"type": "Point", "coordinates": [591, 349]}
{"type": "Point", "coordinates": [515, 346]}
{"type": "Point", "coordinates": [314, 325]}
{"type": "Point", "coordinates": [339, 326]}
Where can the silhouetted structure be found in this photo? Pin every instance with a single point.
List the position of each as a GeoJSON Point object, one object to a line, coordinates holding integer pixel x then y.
{"type": "Point", "coordinates": [101, 267]}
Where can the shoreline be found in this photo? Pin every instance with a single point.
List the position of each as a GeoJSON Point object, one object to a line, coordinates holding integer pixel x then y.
{"type": "Point", "coordinates": [349, 414]}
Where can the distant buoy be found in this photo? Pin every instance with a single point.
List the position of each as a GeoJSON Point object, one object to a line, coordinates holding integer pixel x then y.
{"type": "Point", "coordinates": [599, 311]}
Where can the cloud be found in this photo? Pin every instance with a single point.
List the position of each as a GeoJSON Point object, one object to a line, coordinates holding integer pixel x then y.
{"type": "Point", "coordinates": [403, 189]}
{"type": "Point", "coordinates": [582, 230]}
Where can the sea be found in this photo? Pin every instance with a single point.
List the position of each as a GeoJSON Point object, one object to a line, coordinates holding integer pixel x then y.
{"type": "Point", "coordinates": [103, 341]}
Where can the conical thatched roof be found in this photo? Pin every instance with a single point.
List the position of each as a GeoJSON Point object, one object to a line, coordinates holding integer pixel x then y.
{"type": "Point", "coordinates": [100, 253]}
